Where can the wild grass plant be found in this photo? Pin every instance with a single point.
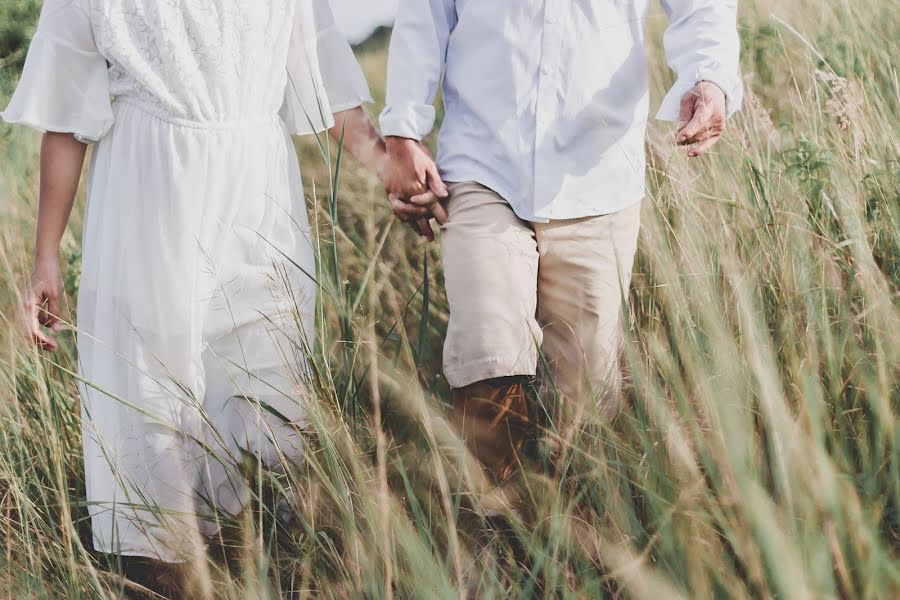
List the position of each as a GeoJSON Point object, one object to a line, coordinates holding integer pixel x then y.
{"type": "Point", "coordinates": [756, 455]}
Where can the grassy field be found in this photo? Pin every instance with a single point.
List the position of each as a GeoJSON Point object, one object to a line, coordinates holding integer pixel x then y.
{"type": "Point", "coordinates": [757, 456]}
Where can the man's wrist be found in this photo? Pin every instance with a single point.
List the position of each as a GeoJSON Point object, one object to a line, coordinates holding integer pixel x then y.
{"type": "Point", "coordinates": [399, 140]}
{"type": "Point", "coordinates": [716, 86]}
{"type": "Point", "coordinates": [713, 83]}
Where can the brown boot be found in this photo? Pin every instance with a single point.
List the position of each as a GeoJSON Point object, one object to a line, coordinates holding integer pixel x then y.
{"type": "Point", "coordinates": [169, 580]}
{"type": "Point", "coordinates": [492, 417]}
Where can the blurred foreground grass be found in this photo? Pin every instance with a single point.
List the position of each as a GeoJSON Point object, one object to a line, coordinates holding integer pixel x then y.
{"type": "Point", "coordinates": [757, 457]}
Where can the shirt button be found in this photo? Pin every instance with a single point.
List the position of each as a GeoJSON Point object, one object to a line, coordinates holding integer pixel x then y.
{"type": "Point", "coordinates": [546, 71]}
{"type": "Point", "coordinates": [552, 20]}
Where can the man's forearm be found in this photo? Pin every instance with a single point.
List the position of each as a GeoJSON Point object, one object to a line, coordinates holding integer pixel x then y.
{"type": "Point", "coordinates": [62, 159]}
{"type": "Point", "coordinates": [416, 59]}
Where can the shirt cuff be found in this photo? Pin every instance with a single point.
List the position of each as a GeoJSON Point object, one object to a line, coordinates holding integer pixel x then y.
{"type": "Point", "coordinates": [413, 121]}
{"type": "Point", "coordinates": [670, 108]}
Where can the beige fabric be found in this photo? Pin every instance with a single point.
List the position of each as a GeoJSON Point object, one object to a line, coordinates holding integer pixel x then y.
{"type": "Point", "coordinates": [515, 286]}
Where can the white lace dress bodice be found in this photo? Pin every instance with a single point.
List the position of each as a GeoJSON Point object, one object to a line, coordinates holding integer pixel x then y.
{"type": "Point", "coordinates": [197, 263]}
{"type": "Point", "coordinates": [219, 62]}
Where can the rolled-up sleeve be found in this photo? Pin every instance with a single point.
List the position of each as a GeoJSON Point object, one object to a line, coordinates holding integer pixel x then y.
{"type": "Point", "coordinates": [65, 83]}
{"type": "Point", "coordinates": [324, 76]}
{"type": "Point", "coordinates": [702, 44]}
{"type": "Point", "coordinates": [417, 55]}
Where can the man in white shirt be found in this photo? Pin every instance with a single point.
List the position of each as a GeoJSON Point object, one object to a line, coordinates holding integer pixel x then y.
{"type": "Point", "coordinates": [546, 105]}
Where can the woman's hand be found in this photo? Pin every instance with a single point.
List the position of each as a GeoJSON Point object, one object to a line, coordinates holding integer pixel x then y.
{"type": "Point", "coordinates": [41, 312]}
{"type": "Point", "coordinates": [62, 158]}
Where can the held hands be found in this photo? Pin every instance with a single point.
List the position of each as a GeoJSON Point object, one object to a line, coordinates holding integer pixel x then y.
{"type": "Point", "coordinates": [41, 304]}
{"type": "Point", "coordinates": [414, 187]}
{"type": "Point", "coordinates": [702, 118]}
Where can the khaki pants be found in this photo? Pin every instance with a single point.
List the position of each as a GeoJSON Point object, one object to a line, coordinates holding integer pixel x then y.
{"type": "Point", "coordinates": [515, 287]}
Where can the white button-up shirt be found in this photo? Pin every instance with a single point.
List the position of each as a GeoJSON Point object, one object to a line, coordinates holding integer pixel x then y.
{"type": "Point", "coordinates": [546, 101]}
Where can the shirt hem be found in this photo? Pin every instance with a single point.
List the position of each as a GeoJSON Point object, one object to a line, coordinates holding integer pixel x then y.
{"type": "Point", "coordinates": [461, 175]}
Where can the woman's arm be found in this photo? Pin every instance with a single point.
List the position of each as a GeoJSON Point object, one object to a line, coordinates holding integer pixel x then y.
{"type": "Point", "coordinates": [363, 141]}
{"type": "Point", "coordinates": [62, 159]}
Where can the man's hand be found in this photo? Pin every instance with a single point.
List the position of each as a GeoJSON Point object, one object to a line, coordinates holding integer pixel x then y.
{"type": "Point", "coordinates": [41, 304]}
{"type": "Point", "coordinates": [702, 118]}
{"type": "Point", "coordinates": [411, 170]}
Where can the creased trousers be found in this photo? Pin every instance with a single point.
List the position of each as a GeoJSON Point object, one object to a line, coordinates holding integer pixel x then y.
{"type": "Point", "coordinates": [519, 291]}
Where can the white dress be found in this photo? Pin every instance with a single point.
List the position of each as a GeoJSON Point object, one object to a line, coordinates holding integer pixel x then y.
{"type": "Point", "coordinates": [197, 266]}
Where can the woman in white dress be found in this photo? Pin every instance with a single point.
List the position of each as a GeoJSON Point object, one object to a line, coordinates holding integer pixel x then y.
{"type": "Point", "coordinates": [196, 228]}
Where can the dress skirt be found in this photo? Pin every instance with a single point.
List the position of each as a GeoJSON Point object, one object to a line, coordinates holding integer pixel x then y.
{"type": "Point", "coordinates": [203, 227]}
{"type": "Point", "coordinates": [197, 295]}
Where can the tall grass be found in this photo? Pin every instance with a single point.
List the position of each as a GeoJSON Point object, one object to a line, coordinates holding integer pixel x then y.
{"type": "Point", "coordinates": [757, 455]}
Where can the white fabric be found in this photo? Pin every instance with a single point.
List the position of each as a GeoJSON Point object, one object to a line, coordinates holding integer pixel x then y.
{"type": "Point", "coordinates": [307, 107]}
{"type": "Point", "coordinates": [65, 85]}
{"type": "Point", "coordinates": [546, 100]}
{"type": "Point", "coordinates": [196, 243]}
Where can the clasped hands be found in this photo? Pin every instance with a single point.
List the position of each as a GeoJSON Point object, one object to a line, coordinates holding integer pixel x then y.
{"type": "Point", "coordinates": [415, 189]}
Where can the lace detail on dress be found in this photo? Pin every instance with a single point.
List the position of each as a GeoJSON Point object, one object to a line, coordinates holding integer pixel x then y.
{"type": "Point", "coordinates": [196, 59]}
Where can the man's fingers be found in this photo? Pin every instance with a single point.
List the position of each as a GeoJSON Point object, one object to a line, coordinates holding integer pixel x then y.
{"type": "Point", "coordinates": [704, 124]}
{"type": "Point", "coordinates": [706, 134]}
{"type": "Point", "coordinates": [704, 147]}
{"type": "Point", "coordinates": [686, 110]}
{"type": "Point", "coordinates": [702, 116]}
{"type": "Point", "coordinates": [435, 183]}
{"type": "Point", "coordinates": [413, 184]}
{"type": "Point", "coordinates": [416, 188]}
{"type": "Point", "coordinates": [440, 213]}
{"type": "Point", "coordinates": [697, 124]}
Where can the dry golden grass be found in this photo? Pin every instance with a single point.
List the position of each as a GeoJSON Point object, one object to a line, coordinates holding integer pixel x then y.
{"type": "Point", "coordinates": [758, 455]}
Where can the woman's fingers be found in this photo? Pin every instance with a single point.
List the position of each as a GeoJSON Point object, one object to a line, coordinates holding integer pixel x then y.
{"type": "Point", "coordinates": [423, 227]}
{"type": "Point", "coordinates": [31, 323]}
{"type": "Point", "coordinates": [52, 314]}
{"type": "Point", "coordinates": [43, 341]}
{"type": "Point", "coordinates": [48, 310]}
{"type": "Point", "coordinates": [406, 211]}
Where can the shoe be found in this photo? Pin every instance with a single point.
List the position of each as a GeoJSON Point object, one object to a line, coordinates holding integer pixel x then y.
{"type": "Point", "coordinates": [492, 418]}
{"type": "Point", "coordinates": [169, 580]}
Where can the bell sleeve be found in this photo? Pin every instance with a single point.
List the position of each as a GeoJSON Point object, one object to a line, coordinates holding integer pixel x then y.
{"type": "Point", "coordinates": [324, 76]}
{"type": "Point", "coordinates": [64, 86]}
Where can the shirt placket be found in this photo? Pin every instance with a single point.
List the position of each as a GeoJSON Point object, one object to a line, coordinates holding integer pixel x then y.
{"type": "Point", "coordinates": [547, 107]}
